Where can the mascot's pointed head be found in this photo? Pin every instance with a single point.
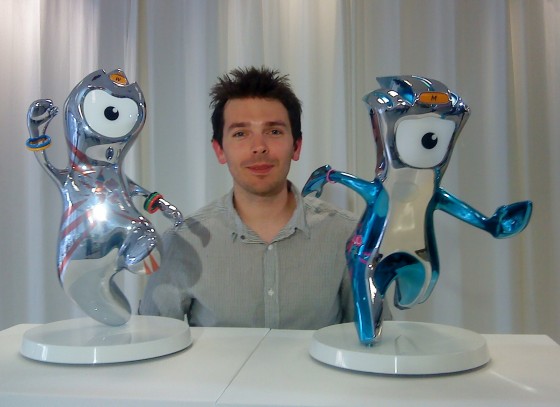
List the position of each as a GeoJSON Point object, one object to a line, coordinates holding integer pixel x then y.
{"type": "Point", "coordinates": [104, 114]}
{"type": "Point", "coordinates": [415, 122]}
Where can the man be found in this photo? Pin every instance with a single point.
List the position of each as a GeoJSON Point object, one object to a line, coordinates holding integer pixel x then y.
{"type": "Point", "coordinates": [261, 256]}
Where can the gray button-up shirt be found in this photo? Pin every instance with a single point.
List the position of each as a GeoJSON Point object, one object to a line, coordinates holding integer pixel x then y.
{"type": "Point", "coordinates": [218, 272]}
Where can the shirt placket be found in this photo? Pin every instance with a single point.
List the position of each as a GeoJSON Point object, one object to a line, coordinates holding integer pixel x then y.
{"type": "Point", "coordinates": [271, 306]}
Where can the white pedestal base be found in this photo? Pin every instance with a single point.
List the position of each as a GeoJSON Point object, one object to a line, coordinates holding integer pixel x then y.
{"type": "Point", "coordinates": [86, 341]}
{"type": "Point", "coordinates": [405, 348]}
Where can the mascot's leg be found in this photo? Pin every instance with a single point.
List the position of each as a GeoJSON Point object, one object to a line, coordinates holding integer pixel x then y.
{"type": "Point", "coordinates": [409, 285]}
{"type": "Point", "coordinates": [368, 303]}
{"type": "Point", "coordinates": [370, 284]}
{"type": "Point", "coordinates": [410, 277]}
{"type": "Point", "coordinates": [90, 283]}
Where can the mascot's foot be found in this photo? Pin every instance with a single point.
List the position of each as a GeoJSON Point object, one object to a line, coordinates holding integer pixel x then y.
{"type": "Point", "coordinates": [90, 283]}
{"type": "Point", "coordinates": [368, 318]}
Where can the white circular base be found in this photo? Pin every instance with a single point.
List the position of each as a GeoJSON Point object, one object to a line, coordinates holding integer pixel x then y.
{"type": "Point", "coordinates": [404, 348]}
{"type": "Point", "coordinates": [86, 341]}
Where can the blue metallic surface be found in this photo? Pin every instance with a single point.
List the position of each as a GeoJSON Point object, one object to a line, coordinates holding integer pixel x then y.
{"type": "Point", "coordinates": [415, 124]}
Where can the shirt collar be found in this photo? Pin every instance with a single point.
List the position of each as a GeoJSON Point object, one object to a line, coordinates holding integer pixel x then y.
{"type": "Point", "coordinates": [240, 230]}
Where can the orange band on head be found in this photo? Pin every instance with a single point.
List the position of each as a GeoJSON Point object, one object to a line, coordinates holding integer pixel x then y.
{"type": "Point", "coordinates": [118, 78]}
{"type": "Point", "coordinates": [433, 98]}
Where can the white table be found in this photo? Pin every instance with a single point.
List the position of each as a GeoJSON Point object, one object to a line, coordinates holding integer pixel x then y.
{"type": "Point", "coordinates": [261, 367]}
{"type": "Point", "coordinates": [196, 376]}
{"type": "Point", "coordinates": [524, 371]}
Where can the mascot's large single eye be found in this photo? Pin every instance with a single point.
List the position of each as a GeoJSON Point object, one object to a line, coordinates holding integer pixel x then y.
{"type": "Point", "coordinates": [423, 142]}
{"type": "Point", "coordinates": [108, 115]}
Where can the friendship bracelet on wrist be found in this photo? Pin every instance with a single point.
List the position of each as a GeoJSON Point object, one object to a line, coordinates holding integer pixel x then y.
{"type": "Point", "coordinates": [151, 202]}
{"type": "Point", "coordinates": [329, 180]}
{"type": "Point", "coordinates": [38, 143]}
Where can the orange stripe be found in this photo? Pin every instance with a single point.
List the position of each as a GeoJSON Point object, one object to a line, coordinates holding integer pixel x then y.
{"type": "Point", "coordinates": [73, 225]}
{"type": "Point", "coordinates": [147, 268]}
{"type": "Point", "coordinates": [69, 253]}
{"type": "Point", "coordinates": [155, 265]}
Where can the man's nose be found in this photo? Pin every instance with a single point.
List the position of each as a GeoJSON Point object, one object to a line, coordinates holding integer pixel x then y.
{"type": "Point", "coordinates": [259, 145]}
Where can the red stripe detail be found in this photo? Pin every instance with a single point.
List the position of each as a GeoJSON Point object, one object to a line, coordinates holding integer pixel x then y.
{"type": "Point", "coordinates": [155, 265]}
{"type": "Point", "coordinates": [68, 256]}
{"type": "Point", "coordinates": [73, 225]}
{"type": "Point", "coordinates": [82, 158]}
{"type": "Point", "coordinates": [73, 207]}
{"type": "Point", "coordinates": [147, 268]}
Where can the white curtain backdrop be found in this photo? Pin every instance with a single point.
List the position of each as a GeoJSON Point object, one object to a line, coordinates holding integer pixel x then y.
{"type": "Point", "coordinates": [501, 56]}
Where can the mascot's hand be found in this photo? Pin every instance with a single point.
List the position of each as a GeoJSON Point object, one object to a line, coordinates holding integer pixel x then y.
{"type": "Point", "coordinates": [171, 212]}
{"type": "Point", "coordinates": [39, 115]}
{"type": "Point", "coordinates": [316, 181]}
{"type": "Point", "coordinates": [511, 219]}
{"type": "Point", "coordinates": [155, 202]}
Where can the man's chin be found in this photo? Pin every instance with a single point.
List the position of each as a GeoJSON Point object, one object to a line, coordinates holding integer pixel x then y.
{"type": "Point", "coordinates": [266, 191]}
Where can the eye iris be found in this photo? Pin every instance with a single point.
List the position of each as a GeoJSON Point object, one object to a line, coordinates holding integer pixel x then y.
{"type": "Point", "coordinates": [429, 140]}
{"type": "Point", "coordinates": [111, 113]}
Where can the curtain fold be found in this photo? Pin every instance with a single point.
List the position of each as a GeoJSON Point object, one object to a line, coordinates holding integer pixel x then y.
{"type": "Point", "coordinates": [502, 57]}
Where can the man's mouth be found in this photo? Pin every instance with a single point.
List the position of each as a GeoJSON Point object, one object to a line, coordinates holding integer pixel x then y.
{"type": "Point", "coordinates": [260, 168]}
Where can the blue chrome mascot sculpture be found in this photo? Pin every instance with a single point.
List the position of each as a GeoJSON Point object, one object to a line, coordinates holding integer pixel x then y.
{"type": "Point", "coordinates": [101, 231]}
{"type": "Point", "coordinates": [415, 122]}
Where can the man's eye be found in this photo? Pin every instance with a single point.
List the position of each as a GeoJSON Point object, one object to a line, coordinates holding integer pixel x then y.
{"type": "Point", "coordinates": [276, 132]}
{"type": "Point", "coordinates": [238, 134]}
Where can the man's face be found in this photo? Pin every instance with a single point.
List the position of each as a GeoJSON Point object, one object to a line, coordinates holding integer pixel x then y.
{"type": "Point", "coordinates": [257, 145]}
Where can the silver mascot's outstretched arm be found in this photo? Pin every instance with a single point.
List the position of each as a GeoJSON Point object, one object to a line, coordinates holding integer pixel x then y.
{"type": "Point", "coordinates": [155, 201]}
{"type": "Point", "coordinates": [39, 115]}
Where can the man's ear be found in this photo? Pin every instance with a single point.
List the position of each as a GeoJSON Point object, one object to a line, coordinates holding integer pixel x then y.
{"type": "Point", "coordinates": [297, 149]}
{"type": "Point", "coordinates": [219, 151]}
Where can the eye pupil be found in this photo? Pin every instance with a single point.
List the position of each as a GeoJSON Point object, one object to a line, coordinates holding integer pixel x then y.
{"type": "Point", "coordinates": [111, 113]}
{"type": "Point", "coordinates": [429, 140]}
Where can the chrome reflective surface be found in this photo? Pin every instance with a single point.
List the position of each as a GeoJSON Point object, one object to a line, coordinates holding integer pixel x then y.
{"type": "Point", "coordinates": [415, 124]}
{"type": "Point", "coordinates": [101, 231]}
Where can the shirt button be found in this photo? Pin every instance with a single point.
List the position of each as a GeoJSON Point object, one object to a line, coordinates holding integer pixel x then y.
{"type": "Point", "coordinates": [270, 247]}
{"type": "Point", "coordinates": [271, 292]}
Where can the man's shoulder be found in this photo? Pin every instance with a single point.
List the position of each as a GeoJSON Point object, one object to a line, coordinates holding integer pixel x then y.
{"type": "Point", "coordinates": [208, 212]}
{"type": "Point", "coordinates": [208, 217]}
{"type": "Point", "coordinates": [318, 209]}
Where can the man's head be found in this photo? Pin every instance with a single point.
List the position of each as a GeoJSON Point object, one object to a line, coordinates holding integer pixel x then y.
{"type": "Point", "coordinates": [257, 130]}
{"type": "Point", "coordinates": [259, 83]}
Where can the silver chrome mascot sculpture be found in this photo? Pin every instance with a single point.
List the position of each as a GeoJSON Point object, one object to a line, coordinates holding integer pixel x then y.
{"type": "Point", "coordinates": [415, 122]}
{"type": "Point", "coordinates": [101, 231]}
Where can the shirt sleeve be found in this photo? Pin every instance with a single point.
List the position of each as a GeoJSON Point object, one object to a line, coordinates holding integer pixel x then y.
{"type": "Point", "coordinates": [166, 292]}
